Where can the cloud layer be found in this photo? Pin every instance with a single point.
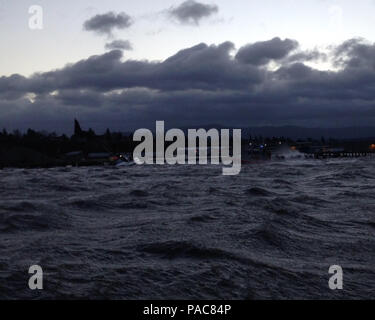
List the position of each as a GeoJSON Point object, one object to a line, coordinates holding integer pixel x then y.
{"type": "Point", "coordinates": [204, 84]}
{"type": "Point", "coordinates": [261, 53]}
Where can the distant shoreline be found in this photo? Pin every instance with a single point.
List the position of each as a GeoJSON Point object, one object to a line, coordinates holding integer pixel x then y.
{"type": "Point", "coordinates": [85, 148]}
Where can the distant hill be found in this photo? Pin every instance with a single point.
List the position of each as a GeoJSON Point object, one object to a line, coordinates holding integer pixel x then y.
{"type": "Point", "coordinates": [314, 133]}
{"type": "Point", "coordinates": [295, 132]}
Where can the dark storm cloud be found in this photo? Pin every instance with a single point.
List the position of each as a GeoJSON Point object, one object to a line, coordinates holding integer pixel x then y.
{"type": "Point", "coordinates": [13, 87]}
{"type": "Point", "coordinates": [304, 56]}
{"type": "Point", "coordinates": [200, 67]}
{"type": "Point", "coordinates": [106, 23]}
{"type": "Point", "coordinates": [355, 53]}
{"type": "Point", "coordinates": [200, 85]}
{"type": "Point", "coordinates": [119, 45]}
{"type": "Point", "coordinates": [260, 53]}
{"type": "Point", "coordinates": [191, 11]}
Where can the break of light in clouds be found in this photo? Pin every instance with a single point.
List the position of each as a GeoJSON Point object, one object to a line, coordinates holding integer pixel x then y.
{"type": "Point", "coordinates": [237, 63]}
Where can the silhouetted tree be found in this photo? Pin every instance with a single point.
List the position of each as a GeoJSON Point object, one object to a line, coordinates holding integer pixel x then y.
{"type": "Point", "coordinates": [77, 128]}
{"type": "Point", "coordinates": [108, 134]}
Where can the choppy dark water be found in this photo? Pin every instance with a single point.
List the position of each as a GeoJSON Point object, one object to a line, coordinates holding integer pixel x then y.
{"type": "Point", "coordinates": [188, 232]}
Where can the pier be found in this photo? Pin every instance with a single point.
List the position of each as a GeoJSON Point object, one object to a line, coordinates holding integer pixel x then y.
{"type": "Point", "coordinates": [346, 154]}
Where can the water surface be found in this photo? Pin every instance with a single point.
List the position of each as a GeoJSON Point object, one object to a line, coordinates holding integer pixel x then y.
{"type": "Point", "coordinates": [187, 232]}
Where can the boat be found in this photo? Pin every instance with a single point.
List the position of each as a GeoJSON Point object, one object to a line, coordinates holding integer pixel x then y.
{"type": "Point", "coordinates": [122, 160]}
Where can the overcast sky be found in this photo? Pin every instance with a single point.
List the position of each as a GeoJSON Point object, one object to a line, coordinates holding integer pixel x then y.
{"type": "Point", "coordinates": [238, 62]}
